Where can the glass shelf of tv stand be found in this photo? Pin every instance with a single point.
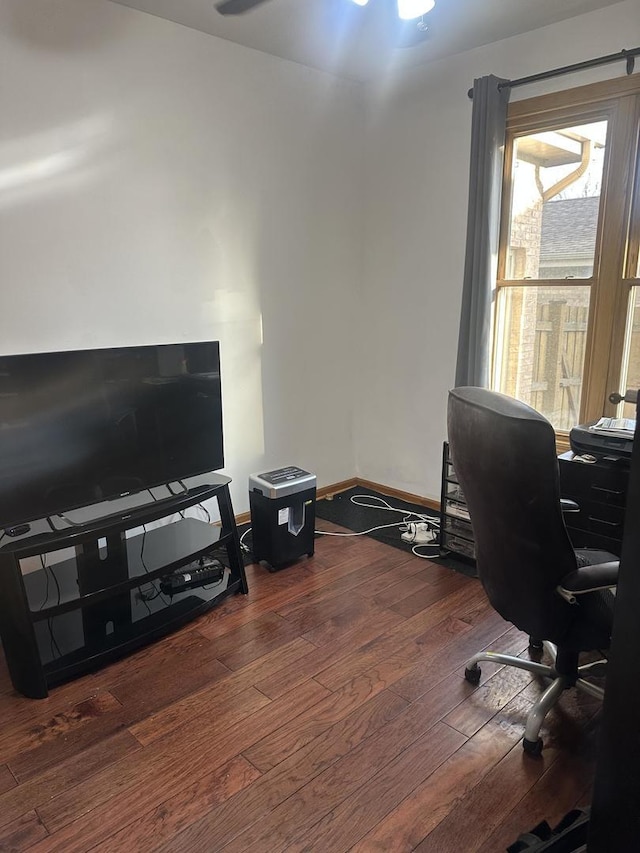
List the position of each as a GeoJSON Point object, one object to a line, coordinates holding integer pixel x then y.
{"type": "Point", "coordinates": [68, 649]}
{"type": "Point", "coordinates": [113, 516]}
{"type": "Point", "coordinates": [147, 558]}
{"type": "Point", "coordinates": [68, 641]}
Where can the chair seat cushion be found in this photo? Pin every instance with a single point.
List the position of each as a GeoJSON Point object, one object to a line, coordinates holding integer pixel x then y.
{"type": "Point", "coordinates": [591, 578]}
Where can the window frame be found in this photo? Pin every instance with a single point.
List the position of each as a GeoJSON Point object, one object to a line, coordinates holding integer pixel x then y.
{"type": "Point", "coordinates": [617, 249]}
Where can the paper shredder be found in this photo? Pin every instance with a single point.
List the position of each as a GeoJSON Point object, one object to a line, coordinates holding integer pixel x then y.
{"type": "Point", "coordinates": [283, 514]}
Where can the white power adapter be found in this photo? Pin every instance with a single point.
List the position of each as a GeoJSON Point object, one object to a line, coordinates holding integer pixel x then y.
{"type": "Point", "coordinates": [418, 533]}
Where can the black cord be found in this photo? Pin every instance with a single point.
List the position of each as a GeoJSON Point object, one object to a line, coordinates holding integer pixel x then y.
{"type": "Point", "coordinates": [154, 498]}
{"type": "Point", "coordinates": [46, 594]}
{"type": "Point", "coordinates": [203, 507]}
{"type": "Point", "coordinates": [53, 575]}
{"type": "Point", "coordinates": [144, 536]}
{"type": "Point", "coordinates": [142, 595]}
{"type": "Point", "coordinates": [146, 596]}
{"type": "Point", "coordinates": [52, 640]}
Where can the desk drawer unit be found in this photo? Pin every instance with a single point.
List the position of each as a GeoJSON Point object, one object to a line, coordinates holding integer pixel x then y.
{"type": "Point", "coordinates": [600, 490]}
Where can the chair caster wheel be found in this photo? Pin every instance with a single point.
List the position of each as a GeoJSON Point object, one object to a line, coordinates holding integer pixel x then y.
{"type": "Point", "coordinates": [473, 675]}
{"type": "Point", "coordinates": [532, 747]}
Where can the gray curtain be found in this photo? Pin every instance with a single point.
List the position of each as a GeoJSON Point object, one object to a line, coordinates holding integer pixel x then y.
{"type": "Point", "coordinates": [483, 225]}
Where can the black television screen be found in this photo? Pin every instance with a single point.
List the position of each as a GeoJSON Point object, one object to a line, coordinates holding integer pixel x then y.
{"type": "Point", "coordinates": [81, 427]}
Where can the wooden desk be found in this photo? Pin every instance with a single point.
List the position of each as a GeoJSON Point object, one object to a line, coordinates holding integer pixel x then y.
{"type": "Point", "coordinates": [600, 490]}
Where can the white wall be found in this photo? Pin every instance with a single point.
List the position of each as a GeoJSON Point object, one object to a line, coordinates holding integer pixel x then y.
{"type": "Point", "coordinates": [158, 184]}
{"type": "Point", "coordinates": [416, 184]}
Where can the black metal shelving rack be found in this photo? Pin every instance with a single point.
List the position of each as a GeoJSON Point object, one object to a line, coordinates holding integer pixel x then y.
{"type": "Point", "coordinates": [78, 614]}
{"type": "Point", "coordinates": [456, 535]}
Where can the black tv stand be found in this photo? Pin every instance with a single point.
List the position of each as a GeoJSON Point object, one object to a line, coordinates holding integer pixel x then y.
{"type": "Point", "coordinates": [78, 614]}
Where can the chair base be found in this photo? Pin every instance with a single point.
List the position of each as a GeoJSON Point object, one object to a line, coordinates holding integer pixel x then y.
{"type": "Point", "coordinates": [532, 742]}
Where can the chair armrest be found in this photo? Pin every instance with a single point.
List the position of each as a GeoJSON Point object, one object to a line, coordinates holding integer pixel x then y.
{"type": "Point", "coordinates": [589, 579]}
{"type": "Point", "coordinates": [567, 505]}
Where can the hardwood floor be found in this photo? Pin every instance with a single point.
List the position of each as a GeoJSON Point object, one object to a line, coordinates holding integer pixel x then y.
{"type": "Point", "coordinates": [325, 711]}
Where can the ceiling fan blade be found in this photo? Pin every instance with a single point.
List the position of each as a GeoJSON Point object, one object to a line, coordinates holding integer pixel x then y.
{"type": "Point", "coordinates": [237, 7]}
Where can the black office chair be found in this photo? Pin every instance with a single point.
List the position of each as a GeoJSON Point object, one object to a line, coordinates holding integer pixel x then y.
{"type": "Point", "coordinates": [504, 456]}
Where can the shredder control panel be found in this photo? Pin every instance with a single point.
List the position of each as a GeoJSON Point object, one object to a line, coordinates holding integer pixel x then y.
{"type": "Point", "coordinates": [282, 481]}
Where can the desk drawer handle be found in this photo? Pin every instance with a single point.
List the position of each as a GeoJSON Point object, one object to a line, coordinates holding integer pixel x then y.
{"type": "Point", "coordinates": [608, 491]}
{"type": "Point", "coordinates": [608, 523]}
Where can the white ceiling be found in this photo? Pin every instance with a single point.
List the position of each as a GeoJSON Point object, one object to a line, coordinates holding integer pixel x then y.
{"type": "Point", "coordinates": [362, 42]}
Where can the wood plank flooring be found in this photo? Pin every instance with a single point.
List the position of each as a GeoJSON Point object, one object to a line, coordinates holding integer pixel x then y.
{"type": "Point", "coordinates": [325, 711]}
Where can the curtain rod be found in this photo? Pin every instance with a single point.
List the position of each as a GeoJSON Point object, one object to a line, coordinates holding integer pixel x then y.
{"type": "Point", "coordinates": [627, 55]}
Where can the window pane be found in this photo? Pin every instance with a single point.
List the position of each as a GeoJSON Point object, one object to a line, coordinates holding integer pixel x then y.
{"type": "Point", "coordinates": [631, 370]}
{"type": "Point", "coordinates": [635, 219]}
{"type": "Point", "coordinates": [540, 342]}
{"type": "Point", "coordinates": [557, 176]}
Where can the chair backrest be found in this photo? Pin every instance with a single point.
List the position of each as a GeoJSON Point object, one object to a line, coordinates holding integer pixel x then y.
{"type": "Point", "coordinates": [504, 456]}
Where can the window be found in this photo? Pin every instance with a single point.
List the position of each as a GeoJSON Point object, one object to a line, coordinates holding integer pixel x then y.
{"type": "Point", "coordinates": [566, 330]}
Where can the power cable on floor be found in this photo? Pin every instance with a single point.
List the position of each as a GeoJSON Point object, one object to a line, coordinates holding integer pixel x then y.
{"type": "Point", "coordinates": [429, 521]}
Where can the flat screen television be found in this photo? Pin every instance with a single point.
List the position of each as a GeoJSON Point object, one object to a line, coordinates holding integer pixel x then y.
{"type": "Point", "coordinates": [81, 427]}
